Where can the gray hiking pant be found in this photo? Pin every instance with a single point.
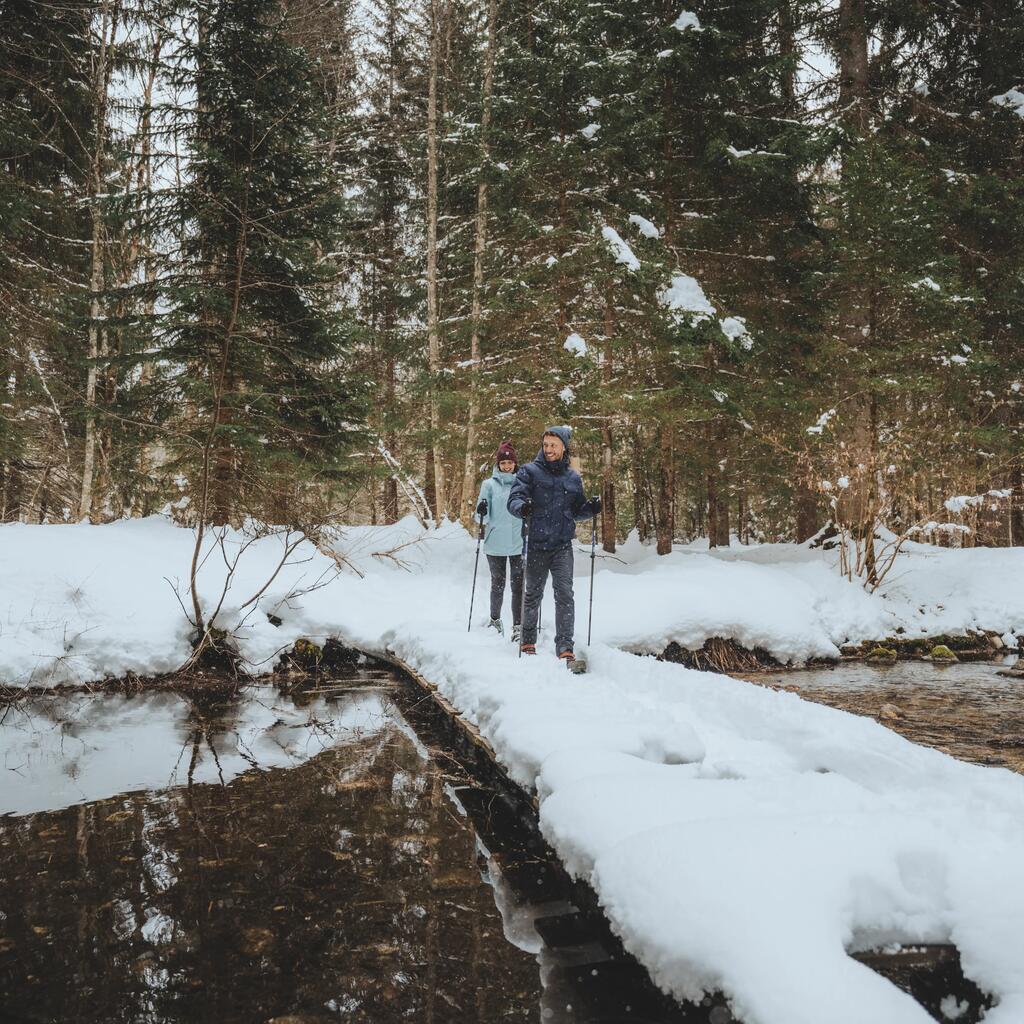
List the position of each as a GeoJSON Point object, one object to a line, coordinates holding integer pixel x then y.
{"type": "Point", "coordinates": [559, 564]}
{"type": "Point", "coordinates": [496, 563]}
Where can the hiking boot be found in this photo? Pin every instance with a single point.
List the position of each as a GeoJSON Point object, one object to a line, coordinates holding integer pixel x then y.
{"type": "Point", "coordinates": [517, 634]}
{"type": "Point", "coordinates": [568, 657]}
{"type": "Point", "coordinates": [528, 648]}
{"type": "Point", "coordinates": [496, 624]}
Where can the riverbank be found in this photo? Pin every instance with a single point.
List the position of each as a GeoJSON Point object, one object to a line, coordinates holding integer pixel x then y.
{"type": "Point", "coordinates": [79, 603]}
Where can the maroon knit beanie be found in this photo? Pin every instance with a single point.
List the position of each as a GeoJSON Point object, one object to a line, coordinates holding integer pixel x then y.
{"type": "Point", "coordinates": [506, 451]}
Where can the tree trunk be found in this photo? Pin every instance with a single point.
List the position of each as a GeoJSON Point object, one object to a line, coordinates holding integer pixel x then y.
{"type": "Point", "coordinates": [853, 66]}
{"type": "Point", "coordinates": [856, 502]}
{"type": "Point", "coordinates": [224, 472]}
{"type": "Point", "coordinates": [665, 527]}
{"type": "Point", "coordinates": [386, 268]}
{"type": "Point", "coordinates": [389, 505]}
{"type": "Point", "coordinates": [141, 244]}
{"type": "Point", "coordinates": [1016, 524]}
{"type": "Point", "coordinates": [13, 478]}
{"type": "Point", "coordinates": [100, 80]}
{"type": "Point", "coordinates": [213, 453]}
{"type": "Point", "coordinates": [711, 485]}
{"type": "Point", "coordinates": [807, 516]}
{"type": "Point", "coordinates": [719, 467]}
{"type": "Point", "coordinates": [608, 520]}
{"type": "Point", "coordinates": [723, 531]}
{"type": "Point", "coordinates": [638, 472]}
{"type": "Point", "coordinates": [430, 484]}
{"type": "Point", "coordinates": [469, 470]}
{"type": "Point", "coordinates": [433, 319]}
{"type": "Point", "coordinates": [608, 515]}
{"type": "Point", "coordinates": [787, 50]}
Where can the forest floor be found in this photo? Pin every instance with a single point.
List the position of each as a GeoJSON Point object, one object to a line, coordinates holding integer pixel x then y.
{"type": "Point", "coordinates": [739, 838]}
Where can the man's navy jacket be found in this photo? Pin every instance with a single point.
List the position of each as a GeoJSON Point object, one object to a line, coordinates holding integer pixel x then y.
{"type": "Point", "coordinates": [556, 490]}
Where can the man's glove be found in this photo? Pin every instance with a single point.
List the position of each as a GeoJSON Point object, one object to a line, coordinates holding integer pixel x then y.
{"type": "Point", "coordinates": [526, 509]}
{"type": "Point", "coordinates": [481, 509]}
{"type": "Point", "coordinates": [595, 504]}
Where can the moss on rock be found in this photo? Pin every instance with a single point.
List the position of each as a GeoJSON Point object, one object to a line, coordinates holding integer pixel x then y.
{"type": "Point", "coordinates": [306, 655]}
{"type": "Point", "coordinates": [881, 654]}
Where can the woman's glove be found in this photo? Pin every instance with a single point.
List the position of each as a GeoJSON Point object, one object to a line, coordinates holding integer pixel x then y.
{"type": "Point", "coordinates": [595, 504]}
{"type": "Point", "coordinates": [481, 509]}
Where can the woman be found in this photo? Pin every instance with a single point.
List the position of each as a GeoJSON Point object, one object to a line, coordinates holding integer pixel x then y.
{"type": "Point", "coordinates": [503, 536]}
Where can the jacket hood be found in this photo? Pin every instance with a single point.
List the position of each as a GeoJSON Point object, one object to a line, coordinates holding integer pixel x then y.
{"type": "Point", "coordinates": [502, 478]}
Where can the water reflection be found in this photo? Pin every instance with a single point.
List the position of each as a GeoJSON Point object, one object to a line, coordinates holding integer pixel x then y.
{"type": "Point", "coordinates": [348, 887]}
{"type": "Point", "coordinates": [968, 710]}
{"type": "Point", "coordinates": [71, 748]}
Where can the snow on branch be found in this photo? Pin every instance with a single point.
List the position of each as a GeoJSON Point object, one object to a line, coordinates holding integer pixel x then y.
{"type": "Point", "coordinates": [644, 226]}
{"type": "Point", "coordinates": [576, 345]}
{"type": "Point", "coordinates": [1012, 99]}
{"type": "Point", "coordinates": [620, 250]}
{"type": "Point", "coordinates": [687, 22]}
{"type": "Point", "coordinates": [685, 299]}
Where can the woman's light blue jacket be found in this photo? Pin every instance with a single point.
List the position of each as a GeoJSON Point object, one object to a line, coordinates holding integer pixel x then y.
{"type": "Point", "coordinates": [503, 532]}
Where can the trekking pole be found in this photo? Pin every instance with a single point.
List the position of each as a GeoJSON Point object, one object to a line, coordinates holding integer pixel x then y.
{"type": "Point", "coordinates": [522, 600]}
{"type": "Point", "coordinates": [593, 555]}
{"type": "Point", "coordinates": [476, 565]}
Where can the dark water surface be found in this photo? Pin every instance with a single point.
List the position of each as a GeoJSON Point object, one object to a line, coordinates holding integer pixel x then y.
{"type": "Point", "coordinates": [317, 868]}
{"type": "Point", "coordinates": [968, 709]}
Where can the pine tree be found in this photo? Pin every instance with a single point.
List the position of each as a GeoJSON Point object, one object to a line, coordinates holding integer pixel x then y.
{"type": "Point", "coordinates": [953, 93]}
{"type": "Point", "coordinates": [46, 128]}
{"type": "Point", "coordinates": [254, 344]}
{"type": "Point", "coordinates": [388, 228]}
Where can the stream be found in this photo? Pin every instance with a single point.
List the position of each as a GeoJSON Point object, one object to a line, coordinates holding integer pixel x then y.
{"type": "Point", "coordinates": [968, 709]}
{"type": "Point", "coordinates": [330, 853]}
{"type": "Point", "coordinates": [289, 858]}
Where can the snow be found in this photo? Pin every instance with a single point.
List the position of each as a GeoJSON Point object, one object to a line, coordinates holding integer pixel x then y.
{"type": "Point", "coordinates": [738, 838]}
{"type": "Point", "coordinates": [739, 154]}
{"type": "Point", "coordinates": [81, 602]}
{"type": "Point", "coordinates": [567, 395]}
{"type": "Point", "coordinates": [1012, 99]}
{"type": "Point", "coordinates": [735, 329]}
{"type": "Point", "coordinates": [687, 21]}
{"type": "Point", "coordinates": [575, 344]}
{"type": "Point", "coordinates": [620, 250]}
{"type": "Point", "coordinates": [952, 1009]}
{"type": "Point", "coordinates": [959, 502]}
{"type": "Point", "coordinates": [590, 130]}
{"type": "Point", "coordinates": [927, 282]}
{"type": "Point", "coordinates": [823, 422]}
{"type": "Point", "coordinates": [685, 295]}
{"type": "Point", "coordinates": [644, 226]}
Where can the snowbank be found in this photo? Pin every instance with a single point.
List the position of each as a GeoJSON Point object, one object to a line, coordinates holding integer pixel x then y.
{"type": "Point", "coordinates": [739, 838]}
{"type": "Point", "coordinates": [80, 602]}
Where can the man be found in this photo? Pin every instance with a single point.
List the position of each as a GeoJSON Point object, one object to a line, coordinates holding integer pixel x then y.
{"type": "Point", "coordinates": [548, 494]}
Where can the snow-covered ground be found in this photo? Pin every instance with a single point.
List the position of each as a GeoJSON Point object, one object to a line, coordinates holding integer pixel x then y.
{"type": "Point", "coordinates": [739, 838]}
